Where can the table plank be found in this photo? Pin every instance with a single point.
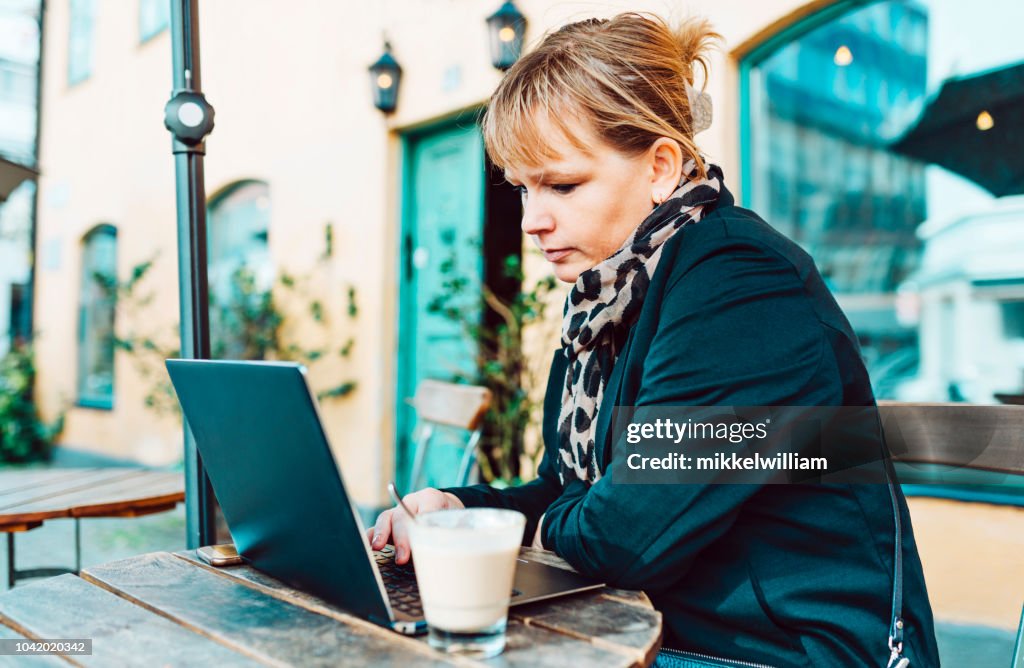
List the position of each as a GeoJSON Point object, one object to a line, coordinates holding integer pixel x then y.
{"type": "Point", "coordinates": [123, 634]}
{"type": "Point", "coordinates": [527, 646]}
{"type": "Point", "coordinates": [262, 625]}
{"type": "Point", "coordinates": [622, 627]}
{"type": "Point", "coordinates": [122, 494]}
{"type": "Point", "coordinates": [534, 646]}
{"type": "Point", "coordinates": [158, 488]}
{"type": "Point", "coordinates": [27, 661]}
{"type": "Point", "coordinates": [134, 486]}
{"type": "Point", "coordinates": [17, 479]}
{"type": "Point", "coordinates": [61, 486]}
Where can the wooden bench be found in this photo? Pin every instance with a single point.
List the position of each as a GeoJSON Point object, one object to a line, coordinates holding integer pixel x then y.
{"type": "Point", "coordinates": [29, 497]}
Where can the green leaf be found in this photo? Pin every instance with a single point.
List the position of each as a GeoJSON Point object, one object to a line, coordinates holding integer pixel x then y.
{"type": "Point", "coordinates": [353, 309]}
{"type": "Point", "coordinates": [140, 270]}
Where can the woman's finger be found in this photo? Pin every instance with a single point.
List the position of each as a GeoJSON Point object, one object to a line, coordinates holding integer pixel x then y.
{"type": "Point", "coordinates": [381, 530]}
{"type": "Point", "coordinates": [400, 533]}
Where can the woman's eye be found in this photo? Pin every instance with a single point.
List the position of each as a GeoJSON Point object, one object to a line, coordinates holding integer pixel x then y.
{"type": "Point", "coordinates": [564, 188]}
{"type": "Point", "coordinates": [520, 190]}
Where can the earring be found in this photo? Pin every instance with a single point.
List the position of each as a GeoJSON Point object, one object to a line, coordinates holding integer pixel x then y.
{"type": "Point", "coordinates": [658, 199]}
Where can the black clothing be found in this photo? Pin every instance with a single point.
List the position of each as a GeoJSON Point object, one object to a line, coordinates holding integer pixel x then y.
{"type": "Point", "coordinates": [788, 575]}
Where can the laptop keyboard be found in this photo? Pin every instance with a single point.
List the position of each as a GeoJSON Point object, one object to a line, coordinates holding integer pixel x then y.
{"type": "Point", "coordinates": [400, 582]}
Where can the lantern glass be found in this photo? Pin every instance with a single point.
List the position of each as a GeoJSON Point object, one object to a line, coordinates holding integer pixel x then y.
{"type": "Point", "coordinates": [506, 28]}
{"type": "Point", "coordinates": [385, 76]}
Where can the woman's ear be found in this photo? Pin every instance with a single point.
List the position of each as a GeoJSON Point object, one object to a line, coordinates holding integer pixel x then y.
{"type": "Point", "coordinates": [666, 163]}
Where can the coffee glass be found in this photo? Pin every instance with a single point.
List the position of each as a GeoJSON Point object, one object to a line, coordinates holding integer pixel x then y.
{"type": "Point", "coordinates": [465, 563]}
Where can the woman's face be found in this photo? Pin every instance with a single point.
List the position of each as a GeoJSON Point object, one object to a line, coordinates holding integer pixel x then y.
{"type": "Point", "coordinates": [580, 208]}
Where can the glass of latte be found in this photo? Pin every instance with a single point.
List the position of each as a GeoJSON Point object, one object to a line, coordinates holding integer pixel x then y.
{"type": "Point", "coordinates": [465, 564]}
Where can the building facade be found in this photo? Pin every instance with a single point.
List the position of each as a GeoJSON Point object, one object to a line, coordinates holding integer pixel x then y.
{"type": "Point", "coordinates": [308, 181]}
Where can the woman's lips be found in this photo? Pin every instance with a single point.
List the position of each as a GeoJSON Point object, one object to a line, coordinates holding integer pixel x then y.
{"type": "Point", "coordinates": [556, 254]}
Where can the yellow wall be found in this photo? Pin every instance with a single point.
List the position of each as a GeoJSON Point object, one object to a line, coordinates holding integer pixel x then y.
{"type": "Point", "coordinates": [291, 93]}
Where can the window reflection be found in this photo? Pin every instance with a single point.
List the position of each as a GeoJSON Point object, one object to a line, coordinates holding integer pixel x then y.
{"type": "Point", "coordinates": [926, 263]}
{"type": "Point", "coordinates": [97, 301]}
{"type": "Point", "coordinates": [241, 273]}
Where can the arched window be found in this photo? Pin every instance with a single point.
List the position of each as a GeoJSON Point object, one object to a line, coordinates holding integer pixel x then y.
{"type": "Point", "coordinates": [241, 273]}
{"type": "Point", "coordinates": [898, 238]}
{"type": "Point", "coordinates": [97, 300]}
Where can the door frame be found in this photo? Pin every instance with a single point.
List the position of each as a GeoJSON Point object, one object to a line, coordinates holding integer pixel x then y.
{"type": "Point", "coordinates": [408, 139]}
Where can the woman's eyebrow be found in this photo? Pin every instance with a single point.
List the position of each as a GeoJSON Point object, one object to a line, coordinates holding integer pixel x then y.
{"type": "Point", "coordinates": [547, 175]}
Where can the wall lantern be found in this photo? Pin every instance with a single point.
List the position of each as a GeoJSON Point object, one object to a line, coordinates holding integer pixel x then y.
{"type": "Point", "coordinates": [385, 74]}
{"type": "Point", "coordinates": [506, 27]}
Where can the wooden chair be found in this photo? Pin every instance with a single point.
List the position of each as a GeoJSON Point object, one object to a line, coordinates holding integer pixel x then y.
{"type": "Point", "coordinates": [963, 452]}
{"type": "Point", "coordinates": [955, 450]}
{"type": "Point", "coordinates": [462, 406]}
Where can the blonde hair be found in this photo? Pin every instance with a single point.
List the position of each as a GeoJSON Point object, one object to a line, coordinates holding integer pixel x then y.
{"type": "Point", "coordinates": [627, 75]}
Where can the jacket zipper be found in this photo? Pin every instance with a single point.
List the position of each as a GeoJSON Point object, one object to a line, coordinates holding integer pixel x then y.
{"type": "Point", "coordinates": [709, 657]}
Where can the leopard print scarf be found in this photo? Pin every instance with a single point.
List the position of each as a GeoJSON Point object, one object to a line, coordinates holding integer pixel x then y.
{"type": "Point", "coordinates": [601, 308]}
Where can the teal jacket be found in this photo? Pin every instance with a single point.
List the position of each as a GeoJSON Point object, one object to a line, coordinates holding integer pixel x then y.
{"type": "Point", "coordinates": [787, 575]}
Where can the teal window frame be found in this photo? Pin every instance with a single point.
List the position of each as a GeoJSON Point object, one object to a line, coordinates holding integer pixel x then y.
{"type": "Point", "coordinates": [88, 302]}
{"type": "Point", "coordinates": [161, 21]}
{"type": "Point", "coordinates": [81, 39]}
{"type": "Point", "coordinates": [984, 486]}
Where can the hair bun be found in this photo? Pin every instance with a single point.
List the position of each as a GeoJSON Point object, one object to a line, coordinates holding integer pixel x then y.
{"type": "Point", "coordinates": [694, 39]}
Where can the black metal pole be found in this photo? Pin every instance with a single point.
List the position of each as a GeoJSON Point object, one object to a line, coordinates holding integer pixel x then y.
{"type": "Point", "coordinates": [29, 307]}
{"type": "Point", "coordinates": [190, 118]}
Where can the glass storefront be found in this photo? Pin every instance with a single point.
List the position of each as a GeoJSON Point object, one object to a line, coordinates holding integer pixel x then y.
{"type": "Point", "coordinates": [920, 257]}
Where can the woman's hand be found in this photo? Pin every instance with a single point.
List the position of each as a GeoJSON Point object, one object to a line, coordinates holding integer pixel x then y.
{"type": "Point", "coordinates": [394, 523]}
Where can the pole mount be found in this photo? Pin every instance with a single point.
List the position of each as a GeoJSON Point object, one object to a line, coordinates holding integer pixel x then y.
{"type": "Point", "coordinates": [189, 117]}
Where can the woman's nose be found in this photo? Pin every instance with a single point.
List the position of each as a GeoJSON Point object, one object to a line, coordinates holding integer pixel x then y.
{"type": "Point", "coordinates": [536, 219]}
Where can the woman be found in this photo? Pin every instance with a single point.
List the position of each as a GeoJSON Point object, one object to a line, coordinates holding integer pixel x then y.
{"type": "Point", "coordinates": [696, 302]}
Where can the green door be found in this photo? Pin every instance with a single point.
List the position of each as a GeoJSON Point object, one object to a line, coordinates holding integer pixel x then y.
{"type": "Point", "coordinates": [442, 221]}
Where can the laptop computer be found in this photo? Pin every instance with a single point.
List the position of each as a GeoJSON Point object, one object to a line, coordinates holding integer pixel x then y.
{"type": "Point", "coordinates": [259, 433]}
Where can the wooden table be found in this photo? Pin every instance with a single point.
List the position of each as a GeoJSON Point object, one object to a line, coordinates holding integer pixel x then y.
{"type": "Point", "coordinates": [29, 497]}
{"type": "Point", "coordinates": [170, 609]}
